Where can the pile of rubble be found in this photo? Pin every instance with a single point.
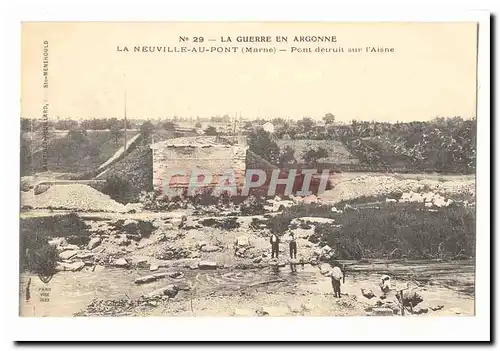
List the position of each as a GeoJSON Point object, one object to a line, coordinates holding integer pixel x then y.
{"type": "Point", "coordinates": [75, 197]}
{"type": "Point", "coordinates": [430, 199]}
{"type": "Point", "coordinates": [369, 185]}
{"type": "Point", "coordinates": [277, 204]}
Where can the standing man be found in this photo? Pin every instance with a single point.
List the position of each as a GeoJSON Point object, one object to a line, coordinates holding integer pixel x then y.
{"type": "Point", "coordinates": [275, 245]}
{"type": "Point", "coordinates": [293, 246]}
{"type": "Point", "coordinates": [337, 275]}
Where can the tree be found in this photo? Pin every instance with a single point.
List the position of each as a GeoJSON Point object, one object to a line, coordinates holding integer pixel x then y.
{"type": "Point", "coordinates": [146, 130]}
{"type": "Point", "coordinates": [78, 136]}
{"type": "Point", "coordinates": [115, 132]}
{"type": "Point", "coordinates": [25, 156]}
{"type": "Point", "coordinates": [261, 143]}
{"type": "Point", "coordinates": [197, 125]}
{"type": "Point", "coordinates": [305, 124]}
{"type": "Point", "coordinates": [25, 124]}
{"type": "Point", "coordinates": [311, 156]}
{"type": "Point", "coordinates": [226, 119]}
{"type": "Point", "coordinates": [329, 118]}
{"type": "Point", "coordinates": [169, 126]}
{"type": "Point", "coordinates": [210, 131]}
{"type": "Point", "coordinates": [287, 156]}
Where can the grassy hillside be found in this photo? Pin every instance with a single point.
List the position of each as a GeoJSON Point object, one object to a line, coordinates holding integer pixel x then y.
{"type": "Point", "coordinates": [74, 152]}
{"type": "Point", "coordinates": [337, 152]}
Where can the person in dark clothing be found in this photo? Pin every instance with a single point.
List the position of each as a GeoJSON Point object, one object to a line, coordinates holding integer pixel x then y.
{"type": "Point", "coordinates": [293, 247]}
{"type": "Point", "coordinates": [275, 245]}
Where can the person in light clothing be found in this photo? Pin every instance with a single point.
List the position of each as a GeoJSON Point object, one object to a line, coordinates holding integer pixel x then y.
{"type": "Point", "coordinates": [336, 276]}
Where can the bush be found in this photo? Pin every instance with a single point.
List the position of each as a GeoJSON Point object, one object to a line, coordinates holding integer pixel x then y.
{"type": "Point", "coordinates": [256, 223]}
{"type": "Point", "coordinates": [117, 188]}
{"type": "Point", "coordinates": [310, 210]}
{"type": "Point", "coordinates": [209, 222]}
{"type": "Point", "coordinates": [228, 223]}
{"type": "Point", "coordinates": [35, 233]}
{"type": "Point", "coordinates": [225, 223]}
{"type": "Point", "coordinates": [42, 260]}
{"type": "Point", "coordinates": [279, 224]}
{"type": "Point", "coordinates": [253, 206]}
{"type": "Point", "coordinates": [145, 228]}
{"type": "Point", "coordinates": [403, 231]}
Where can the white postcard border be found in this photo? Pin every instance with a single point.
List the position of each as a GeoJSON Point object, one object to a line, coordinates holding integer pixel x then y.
{"type": "Point", "coordinates": [247, 329]}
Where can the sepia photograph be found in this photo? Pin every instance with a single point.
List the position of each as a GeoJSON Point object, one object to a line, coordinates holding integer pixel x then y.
{"type": "Point", "coordinates": [248, 169]}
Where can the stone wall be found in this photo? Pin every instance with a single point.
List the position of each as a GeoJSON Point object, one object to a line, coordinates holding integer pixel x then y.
{"type": "Point", "coordinates": [218, 159]}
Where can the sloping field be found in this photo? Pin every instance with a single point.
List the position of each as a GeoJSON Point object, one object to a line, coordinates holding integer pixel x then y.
{"type": "Point", "coordinates": [336, 150]}
{"type": "Point", "coordinates": [65, 155]}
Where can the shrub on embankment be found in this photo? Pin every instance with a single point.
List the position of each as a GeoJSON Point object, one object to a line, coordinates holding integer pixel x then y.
{"type": "Point", "coordinates": [401, 231]}
{"type": "Point", "coordinates": [35, 252]}
{"type": "Point", "coordinates": [279, 224]}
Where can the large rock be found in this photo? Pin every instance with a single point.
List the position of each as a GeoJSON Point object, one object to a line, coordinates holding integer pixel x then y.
{"type": "Point", "coordinates": [146, 279]}
{"type": "Point", "coordinates": [209, 248]}
{"type": "Point", "coordinates": [326, 249]}
{"type": "Point", "coordinates": [242, 241]}
{"type": "Point", "coordinates": [190, 223]}
{"type": "Point", "coordinates": [169, 290]}
{"type": "Point", "coordinates": [121, 262]}
{"type": "Point", "coordinates": [73, 267]}
{"type": "Point", "coordinates": [123, 240]}
{"type": "Point", "coordinates": [310, 199]}
{"type": "Point", "coordinates": [84, 254]}
{"type": "Point", "coordinates": [41, 188]}
{"type": "Point", "coordinates": [207, 265]}
{"type": "Point", "coordinates": [367, 293]}
{"type": "Point", "coordinates": [415, 197]}
{"type": "Point", "coordinates": [66, 255]}
{"type": "Point", "coordinates": [327, 253]}
{"type": "Point", "coordinates": [58, 242]}
{"type": "Point", "coordinates": [67, 248]}
{"type": "Point", "coordinates": [93, 243]}
{"type": "Point", "coordinates": [175, 275]}
{"type": "Point", "coordinates": [436, 308]}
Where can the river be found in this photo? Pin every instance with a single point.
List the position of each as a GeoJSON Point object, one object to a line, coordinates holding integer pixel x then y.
{"type": "Point", "coordinates": [440, 283]}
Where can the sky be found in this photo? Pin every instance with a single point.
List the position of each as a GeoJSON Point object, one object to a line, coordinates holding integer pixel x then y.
{"type": "Point", "coordinates": [432, 71]}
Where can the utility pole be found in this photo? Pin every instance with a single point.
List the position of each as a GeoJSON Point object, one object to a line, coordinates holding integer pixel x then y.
{"type": "Point", "coordinates": [234, 128]}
